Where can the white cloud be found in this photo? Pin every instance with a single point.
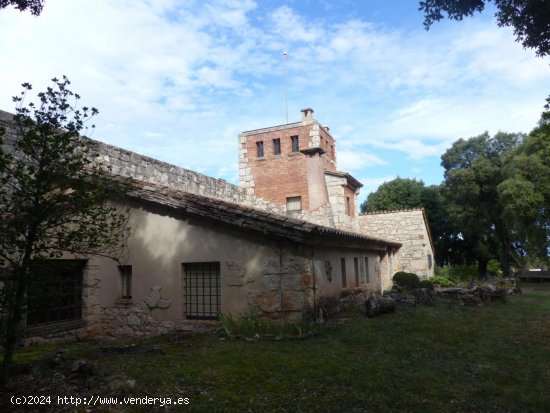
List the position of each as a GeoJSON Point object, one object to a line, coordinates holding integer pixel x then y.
{"type": "Point", "coordinates": [178, 80]}
{"type": "Point", "coordinates": [354, 161]}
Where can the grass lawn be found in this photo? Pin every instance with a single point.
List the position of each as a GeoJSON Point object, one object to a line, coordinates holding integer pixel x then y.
{"type": "Point", "coordinates": [446, 358]}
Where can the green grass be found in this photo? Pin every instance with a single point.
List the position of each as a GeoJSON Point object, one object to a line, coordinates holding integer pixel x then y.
{"type": "Point", "coordinates": [445, 358]}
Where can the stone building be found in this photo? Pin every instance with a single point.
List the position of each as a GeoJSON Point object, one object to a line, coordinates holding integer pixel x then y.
{"type": "Point", "coordinates": [287, 236]}
{"type": "Point", "coordinates": [411, 228]}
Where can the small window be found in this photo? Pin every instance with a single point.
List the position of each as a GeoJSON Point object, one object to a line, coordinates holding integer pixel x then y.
{"type": "Point", "coordinates": [260, 149]}
{"type": "Point", "coordinates": [367, 269]}
{"type": "Point", "coordinates": [294, 203]}
{"type": "Point", "coordinates": [430, 261]}
{"type": "Point", "coordinates": [125, 272]}
{"type": "Point", "coordinates": [276, 146]}
{"type": "Point", "coordinates": [332, 151]}
{"type": "Point", "coordinates": [348, 206]}
{"type": "Point", "coordinates": [295, 144]}
{"type": "Point", "coordinates": [343, 264]}
{"type": "Point", "coordinates": [356, 269]}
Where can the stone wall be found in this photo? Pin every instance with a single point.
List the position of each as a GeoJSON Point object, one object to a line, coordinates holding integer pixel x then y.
{"type": "Point", "coordinates": [286, 290]}
{"type": "Point", "coordinates": [409, 228]}
{"type": "Point", "coordinates": [337, 190]}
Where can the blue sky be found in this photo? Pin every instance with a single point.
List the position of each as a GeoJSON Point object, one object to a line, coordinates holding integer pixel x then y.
{"type": "Point", "coordinates": [178, 80]}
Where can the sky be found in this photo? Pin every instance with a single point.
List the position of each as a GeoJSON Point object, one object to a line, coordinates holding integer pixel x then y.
{"type": "Point", "coordinates": [178, 80]}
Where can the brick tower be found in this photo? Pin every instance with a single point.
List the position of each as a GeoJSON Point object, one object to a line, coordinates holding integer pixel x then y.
{"type": "Point", "coordinates": [295, 165]}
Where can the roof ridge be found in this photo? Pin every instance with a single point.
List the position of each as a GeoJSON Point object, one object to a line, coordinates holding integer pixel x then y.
{"type": "Point", "coordinates": [388, 211]}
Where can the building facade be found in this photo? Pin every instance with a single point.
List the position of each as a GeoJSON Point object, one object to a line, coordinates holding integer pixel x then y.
{"type": "Point", "coordinates": [274, 245]}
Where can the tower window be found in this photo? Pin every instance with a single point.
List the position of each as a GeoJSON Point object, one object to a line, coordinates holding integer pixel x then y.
{"type": "Point", "coordinates": [295, 144]}
{"type": "Point", "coordinates": [294, 203]}
{"type": "Point", "coordinates": [260, 149]}
{"type": "Point", "coordinates": [276, 146]}
{"type": "Point", "coordinates": [348, 206]}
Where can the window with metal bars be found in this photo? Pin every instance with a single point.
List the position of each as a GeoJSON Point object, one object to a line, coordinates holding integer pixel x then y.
{"type": "Point", "coordinates": [202, 290]}
{"type": "Point", "coordinates": [55, 291]}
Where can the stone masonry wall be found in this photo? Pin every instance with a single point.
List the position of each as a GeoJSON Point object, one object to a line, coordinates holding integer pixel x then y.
{"type": "Point", "coordinates": [407, 227]}
{"type": "Point", "coordinates": [286, 291]}
{"type": "Point", "coordinates": [337, 199]}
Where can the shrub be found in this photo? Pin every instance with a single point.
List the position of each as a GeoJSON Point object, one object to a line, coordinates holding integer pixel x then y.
{"type": "Point", "coordinates": [442, 281]}
{"type": "Point", "coordinates": [459, 273]}
{"type": "Point", "coordinates": [426, 284]}
{"type": "Point", "coordinates": [406, 279]}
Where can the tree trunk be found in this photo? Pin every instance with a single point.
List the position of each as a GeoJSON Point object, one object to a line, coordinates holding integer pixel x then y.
{"type": "Point", "coordinates": [504, 248]}
{"type": "Point", "coordinates": [15, 314]}
{"type": "Point", "coordinates": [482, 268]}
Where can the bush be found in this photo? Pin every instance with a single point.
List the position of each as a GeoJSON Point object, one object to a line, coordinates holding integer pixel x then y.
{"type": "Point", "coordinates": [459, 273]}
{"type": "Point", "coordinates": [426, 284]}
{"type": "Point", "coordinates": [406, 279]}
{"type": "Point", "coordinates": [442, 281]}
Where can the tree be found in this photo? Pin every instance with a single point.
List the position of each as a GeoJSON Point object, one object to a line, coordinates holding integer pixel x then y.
{"type": "Point", "coordinates": [525, 193]}
{"type": "Point", "coordinates": [529, 18]}
{"type": "Point", "coordinates": [53, 199]}
{"type": "Point", "coordinates": [34, 6]}
{"type": "Point", "coordinates": [404, 193]}
{"type": "Point", "coordinates": [400, 193]}
{"type": "Point", "coordinates": [473, 170]}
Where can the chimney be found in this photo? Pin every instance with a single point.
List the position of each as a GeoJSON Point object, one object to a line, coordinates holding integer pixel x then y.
{"type": "Point", "coordinates": [307, 115]}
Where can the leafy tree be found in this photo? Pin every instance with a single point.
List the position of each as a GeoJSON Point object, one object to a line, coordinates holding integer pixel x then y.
{"type": "Point", "coordinates": [473, 170]}
{"type": "Point", "coordinates": [54, 200]}
{"type": "Point", "coordinates": [529, 18]}
{"type": "Point", "coordinates": [525, 194]}
{"type": "Point", "coordinates": [400, 193]}
{"type": "Point", "coordinates": [404, 193]}
{"type": "Point", "coordinates": [34, 6]}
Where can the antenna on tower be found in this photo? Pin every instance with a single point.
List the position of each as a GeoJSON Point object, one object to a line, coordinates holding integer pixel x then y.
{"type": "Point", "coordinates": [285, 54]}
